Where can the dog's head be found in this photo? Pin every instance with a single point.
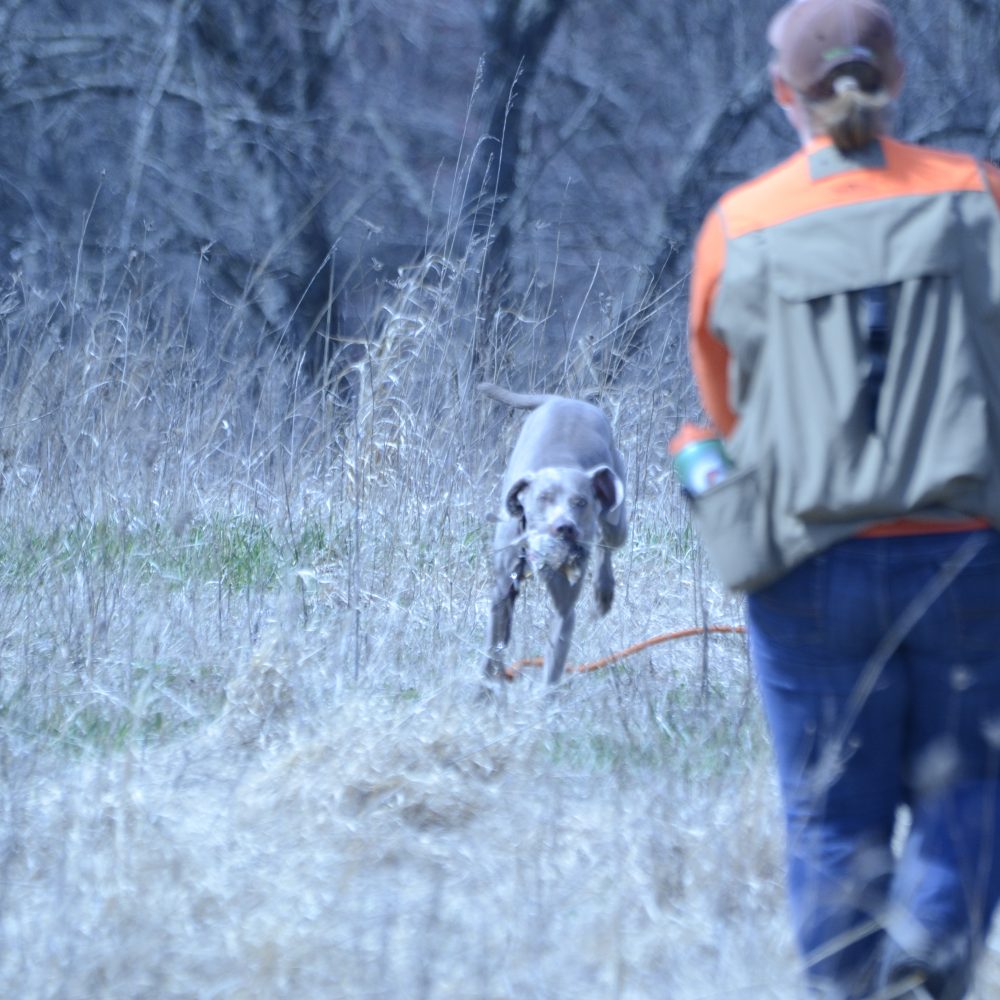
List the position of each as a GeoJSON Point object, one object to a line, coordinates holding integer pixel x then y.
{"type": "Point", "coordinates": [561, 509]}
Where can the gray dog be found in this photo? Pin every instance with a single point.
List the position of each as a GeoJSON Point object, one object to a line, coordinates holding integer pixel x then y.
{"type": "Point", "coordinates": [563, 493]}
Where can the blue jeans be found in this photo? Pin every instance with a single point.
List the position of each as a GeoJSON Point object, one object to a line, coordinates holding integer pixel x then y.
{"type": "Point", "coordinates": [879, 668]}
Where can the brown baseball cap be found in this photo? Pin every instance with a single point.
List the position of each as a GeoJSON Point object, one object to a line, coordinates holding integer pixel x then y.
{"type": "Point", "coordinates": [813, 37]}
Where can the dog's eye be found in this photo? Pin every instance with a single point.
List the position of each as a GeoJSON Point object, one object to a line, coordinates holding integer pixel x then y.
{"type": "Point", "coordinates": [546, 496]}
{"type": "Point", "coordinates": [578, 502]}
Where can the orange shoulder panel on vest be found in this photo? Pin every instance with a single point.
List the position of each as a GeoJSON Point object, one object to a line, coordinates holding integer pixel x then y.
{"type": "Point", "coordinates": [788, 191]}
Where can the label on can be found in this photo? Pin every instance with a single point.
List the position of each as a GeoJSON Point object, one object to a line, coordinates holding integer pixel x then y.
{"type": "Point", "coordinates": [700, 460]}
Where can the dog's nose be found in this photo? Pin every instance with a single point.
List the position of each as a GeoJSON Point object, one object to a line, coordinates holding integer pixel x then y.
{"type": "Point", "coordinates": [567, 531]}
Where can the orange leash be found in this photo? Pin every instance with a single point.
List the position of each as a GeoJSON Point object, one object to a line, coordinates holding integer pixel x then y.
{"type": "Point", "coordinates": [585, 668]}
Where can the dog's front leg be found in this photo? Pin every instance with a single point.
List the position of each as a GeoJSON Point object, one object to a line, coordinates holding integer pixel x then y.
{"type": "Point", "coordinates": [501, 616]}
{"type": "Point", "coordinates": [560, 636]}
{"type": "Point", "coordinates": [506, 580]}
{"type": "Point", "coordinates": [604, 581]}
{"type": "Point", "coordinates": [564, 597]}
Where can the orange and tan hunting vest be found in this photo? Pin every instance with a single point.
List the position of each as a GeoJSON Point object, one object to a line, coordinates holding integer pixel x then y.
{"type": "Point", "coordinates": [780, 346]}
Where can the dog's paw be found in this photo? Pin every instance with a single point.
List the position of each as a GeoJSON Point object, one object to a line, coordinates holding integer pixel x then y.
{"type": "Point", "coordinates": [604, 587]}
{"type": "Point", "coordinates": [489, 693]}
{"type": "Point", "coordinates": [603, 598]}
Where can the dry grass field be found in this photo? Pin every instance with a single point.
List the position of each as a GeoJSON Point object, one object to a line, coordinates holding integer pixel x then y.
{"type": "Point", "coordinates": [241, 753]}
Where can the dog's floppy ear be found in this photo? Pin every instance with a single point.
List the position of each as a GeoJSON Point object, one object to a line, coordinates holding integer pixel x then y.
{"type": "Point", "coordinates": [513, 499]}
{"type": "Point", "coordinates": [608, 487]}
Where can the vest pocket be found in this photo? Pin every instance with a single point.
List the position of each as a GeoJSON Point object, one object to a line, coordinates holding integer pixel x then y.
{"type": "Point", "coordinates": [734, 525]}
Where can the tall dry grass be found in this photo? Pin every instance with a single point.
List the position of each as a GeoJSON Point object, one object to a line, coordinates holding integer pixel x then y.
{"type": "Point", "coordinates": [241, 752]}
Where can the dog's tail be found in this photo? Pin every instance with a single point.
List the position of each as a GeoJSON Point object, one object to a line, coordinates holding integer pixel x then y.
{"type": "Point", "coordinates": [519, 400]}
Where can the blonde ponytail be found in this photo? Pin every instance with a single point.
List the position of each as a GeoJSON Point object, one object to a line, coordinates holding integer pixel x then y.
{"type": "Point", "coordinates": [852, 117]}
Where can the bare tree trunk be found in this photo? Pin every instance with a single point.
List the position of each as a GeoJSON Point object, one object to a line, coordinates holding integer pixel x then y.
{"type": "Point", "coordinates": [517, 32]}
{"type": "Point", "coordinates": [681, 220]}
{"type": "Point", "coordinates": [149, 104]}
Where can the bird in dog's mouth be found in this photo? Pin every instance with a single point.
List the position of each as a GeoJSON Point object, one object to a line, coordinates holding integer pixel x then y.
{"type": "Point", "coordinates": [558, 555]}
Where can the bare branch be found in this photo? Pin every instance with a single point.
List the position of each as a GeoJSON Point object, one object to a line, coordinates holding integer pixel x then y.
{"type": "Point", "coordinates": [147, 113]}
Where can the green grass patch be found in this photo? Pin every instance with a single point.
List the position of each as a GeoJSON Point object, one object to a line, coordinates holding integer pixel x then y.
{"type": "Point", "coordinates": [240, 552]}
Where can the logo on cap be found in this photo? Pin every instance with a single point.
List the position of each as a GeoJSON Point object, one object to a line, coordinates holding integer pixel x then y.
{"type": "Point", "coordinates": [848, 53]}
